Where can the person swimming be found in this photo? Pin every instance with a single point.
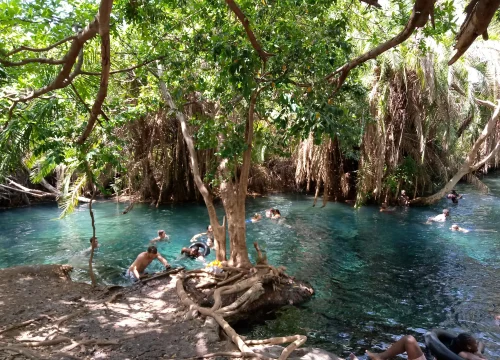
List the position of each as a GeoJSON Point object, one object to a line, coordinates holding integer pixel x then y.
{"type": "Point", "coordinates": [209, 234]}
{"type": "Point", "coordinates": [454, 196]}
{"type": "Point", "coordinates": [256, 218]}
{"type": "Point", "coordinates": [192, 252]}
{"type": "Point", "coordinates": [161, 237]}
{"type": "Point", "coordinates": [275, 214]}
{"type": "Point", "coordinates": [455, 227]}
{"type": "Point", "coordinates": [439, 218]}
{"type": "Point", "coordinates": [384, 208]}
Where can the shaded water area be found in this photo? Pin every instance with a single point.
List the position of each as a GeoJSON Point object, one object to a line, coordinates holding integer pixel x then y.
{"type": "Point", "coordinates": [377, 275]}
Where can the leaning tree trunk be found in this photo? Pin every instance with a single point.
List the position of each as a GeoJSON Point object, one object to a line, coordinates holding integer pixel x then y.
{"type": "Point", "coordinates": [468, 165]}
{"type": "Point", "coordinates": [219, 230]}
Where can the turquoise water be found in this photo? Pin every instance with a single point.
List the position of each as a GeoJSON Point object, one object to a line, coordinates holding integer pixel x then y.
{"type": "Point", "coordinates": [377, 275]}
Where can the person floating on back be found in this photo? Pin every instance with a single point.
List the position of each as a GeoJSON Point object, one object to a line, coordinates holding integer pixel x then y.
{"type": "Point", "coordinates": [464, 345]}
{"type": "Point", "coordinates": [454, 196]}
{"type": "Point", "coordinates": [439, 218]}
{"type": "Point", "coordinates": [143, 260]}
{"type": "Point", "coordinates": [455, 227]}
{"type": "Point", "coordinates": [161, 237]}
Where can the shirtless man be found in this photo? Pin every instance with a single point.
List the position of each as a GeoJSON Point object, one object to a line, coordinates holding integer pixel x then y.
{"type": "Point", "coordinates": [143, 260]}
{"type": "Point", "coordinates": [439, 218]}
{"type": "Point", "coordinates": [161, 236]}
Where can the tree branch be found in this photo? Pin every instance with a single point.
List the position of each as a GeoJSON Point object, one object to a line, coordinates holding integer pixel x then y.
{"type": "Point", "coordinates": [32, 60]}
{"type": "Point", "coordinates": [103, 15]}
{"type": "Point", "coordinates": [27, 48]}
{"type": "Point", "coordinates": [125, 70]}
{"type": "Point", "coordinates": [251, 36]}
{"type": "Point", "coordinates": [479, 15]}
{"type": "Point", "coordinates": [372, 3]}
{"type": "Point", "coordinates": [247, 155]}
{"type": "Point", "coordinates": [422, 10]}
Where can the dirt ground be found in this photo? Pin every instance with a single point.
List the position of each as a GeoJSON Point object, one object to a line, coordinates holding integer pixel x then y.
{"type": "Point", "coordinates": [44, 315]}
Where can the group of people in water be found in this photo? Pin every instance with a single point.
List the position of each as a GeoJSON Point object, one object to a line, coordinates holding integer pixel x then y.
{"type": "Point", "coordinates": [404, 200]}
{"type": "Point", "coordinates": [201, 245]}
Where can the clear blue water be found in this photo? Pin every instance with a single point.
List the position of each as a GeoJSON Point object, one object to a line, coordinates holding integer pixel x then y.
{"type": "Point", "coordinates": [377, 275]}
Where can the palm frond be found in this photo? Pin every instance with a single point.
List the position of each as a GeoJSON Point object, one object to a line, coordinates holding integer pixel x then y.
{"type": "Point", "coordinates": [69, 199]}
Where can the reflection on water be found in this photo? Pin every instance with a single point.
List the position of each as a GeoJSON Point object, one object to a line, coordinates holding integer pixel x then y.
{"type": "Point", "coordinates": [377, 275]}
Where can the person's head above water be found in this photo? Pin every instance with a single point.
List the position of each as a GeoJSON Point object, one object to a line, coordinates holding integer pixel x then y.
{"type": "Point", "coordinates": [191, 251]}
{"type": "Point", "coordinates": [161, 233]}
{"type": "Point", "coordinates": [93, 242]}
{"type": "Point", "coordinates": [455, 227]}
{"type": "Point", "coordinates": [152, 252]}
{"type": "Point", "coordinates": [464, 342]}
{"type": "Point", "coordinates": [446, 212]}
{"type": "Point", "coordinates": [209, 228]}
{"type": "Point", "coordinates": [383, 205]}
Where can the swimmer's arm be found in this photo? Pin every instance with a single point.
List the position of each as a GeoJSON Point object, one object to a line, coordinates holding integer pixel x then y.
{"type": "Point", "coordinates": [471, 356]}
{"type": "Point", "coordinates": [194, 238]}
{"type": "Point", "coordinates": [162, 260]}
{"type": "Point", "coordinates": [135, 272]}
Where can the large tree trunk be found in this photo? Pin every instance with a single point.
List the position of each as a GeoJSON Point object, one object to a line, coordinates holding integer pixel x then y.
{"type": "Point", "coordinates": [219, 230]}
{"type": "Point", "coordinates": [468, 165]}
{"type": "Point", "coordinates": [235, 212]}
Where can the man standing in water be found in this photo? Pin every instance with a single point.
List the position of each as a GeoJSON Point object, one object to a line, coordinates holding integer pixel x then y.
{"type": "Point", "coordinates": [143, 260]}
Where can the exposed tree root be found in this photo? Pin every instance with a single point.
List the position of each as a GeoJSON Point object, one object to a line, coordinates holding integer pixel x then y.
{"type": "Point", "coordinates": [25, 323]}
{"type": "Point", "coordinates": [23, 351]}
{"type": "Point", "coordinates": [231, 354]}
{"type": "Point", "coordinates": [65, 318]}
{"type": "Point", "coordinates": [252, 289]}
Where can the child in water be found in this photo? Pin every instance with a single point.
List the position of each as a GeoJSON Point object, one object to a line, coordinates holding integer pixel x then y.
{"type": "Point", "coordinates": [455, 227]}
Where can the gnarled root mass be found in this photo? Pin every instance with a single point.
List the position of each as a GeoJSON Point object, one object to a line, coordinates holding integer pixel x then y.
{"type": "Point", "coordinates": [242, 292]}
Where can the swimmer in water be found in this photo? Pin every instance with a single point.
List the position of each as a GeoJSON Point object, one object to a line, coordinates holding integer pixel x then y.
{"type": "Point", "coordinates": [94, 244]}
{"type": "Point", "coordinates": [464, 345]}
{"type": "Point", "coordinates": [161, 237]}
{"type": "Point", "coordinates": [454, 196]}
{"type": "Point", "coordinates": [193, 252]}
{"type": "Point", "coordinates": [384, 208]}
{"type": "Point", "coordinates": [455, 227]}
{"type": "Point", "coordinates": [275, 214]}
{"type": "Point", "coordinates": [209, 234]}
{"type": "Point", "coordinates": [439, 218]}
{"type": "Point", "coordinates": [269, 212]}
{"type": "Point", "coordinates": [143, 260]}
{"type": "Point", "coordinates": [256, 218]}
